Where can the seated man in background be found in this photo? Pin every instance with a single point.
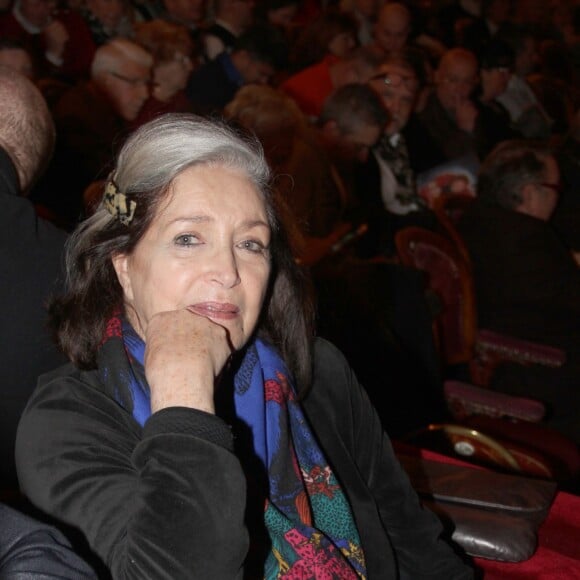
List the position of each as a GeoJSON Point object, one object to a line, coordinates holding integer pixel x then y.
{"type": "Point", "coordinates": [375, 311]}
{"type": "Point", "coordinates": [351, 122]}
{"type": "Point", "coordinates": [526, 280]}
{"type": "Point", "coordinates": [450, 115]}
{"type": "Point", "coordinates": [92, 119]}
{"type": "Point", "coordinates": [30, 260]}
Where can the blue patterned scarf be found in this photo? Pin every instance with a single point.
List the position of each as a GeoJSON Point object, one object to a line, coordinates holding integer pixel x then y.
{"type": "Point", "coordinates": [310, 527]}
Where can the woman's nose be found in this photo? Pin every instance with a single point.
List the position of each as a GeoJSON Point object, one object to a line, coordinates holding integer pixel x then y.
{"type": "Point", "coordinates": [224, 268]}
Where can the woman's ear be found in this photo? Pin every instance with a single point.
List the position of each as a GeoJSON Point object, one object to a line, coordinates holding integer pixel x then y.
{"type": "Point", "coordinates": [121, 266]}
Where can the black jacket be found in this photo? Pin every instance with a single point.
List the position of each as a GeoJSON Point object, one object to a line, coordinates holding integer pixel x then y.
{"type": "Point", "coordinates": [30, 266]}
{"type": "Point", "coordinates": [168, 501]}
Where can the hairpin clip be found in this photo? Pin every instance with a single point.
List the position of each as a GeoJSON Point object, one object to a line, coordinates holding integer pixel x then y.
{"type": "Point", "coordinates": [117, 203]}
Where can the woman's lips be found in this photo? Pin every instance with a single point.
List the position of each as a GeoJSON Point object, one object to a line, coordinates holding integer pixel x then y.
{"type": "Point", "coordinates": [216, 310]}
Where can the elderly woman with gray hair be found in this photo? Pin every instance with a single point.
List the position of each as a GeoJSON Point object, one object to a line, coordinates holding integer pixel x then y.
{"type": "Point", "coordinates": [200, 430]}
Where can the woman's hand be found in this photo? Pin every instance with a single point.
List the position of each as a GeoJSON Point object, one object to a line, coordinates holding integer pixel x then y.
{"type": "Point", "coordinates": [184, 354]}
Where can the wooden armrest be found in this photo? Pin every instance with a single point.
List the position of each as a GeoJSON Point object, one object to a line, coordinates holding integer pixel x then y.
{"type": "Point", "coordinates": [519, 350]}
{"type": "Point", "coordinates": [464, 399]}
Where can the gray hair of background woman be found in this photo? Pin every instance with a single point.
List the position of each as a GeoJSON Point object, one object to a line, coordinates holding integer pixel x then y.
{"type": "Point", "coordinates": [146, 166]}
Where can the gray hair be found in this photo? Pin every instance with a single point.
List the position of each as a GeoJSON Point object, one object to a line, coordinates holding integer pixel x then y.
{"type": "Point", "coordinates": [27, 130]}
{"type": "Point", "coordinates": [118, 50]}
{"type": "Point", "coordinates": [156, 154]}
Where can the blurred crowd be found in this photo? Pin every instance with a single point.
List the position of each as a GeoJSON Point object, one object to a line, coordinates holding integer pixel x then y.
{"type": "Point", "coordinates": [454, 76]}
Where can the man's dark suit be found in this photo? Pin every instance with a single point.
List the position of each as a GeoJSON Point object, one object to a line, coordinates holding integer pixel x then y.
{"type": "Point", "coordinates": [30, 264]}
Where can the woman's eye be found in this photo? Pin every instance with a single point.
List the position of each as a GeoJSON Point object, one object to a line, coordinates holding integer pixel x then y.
{"type": "Point", "coordinates": [186, 240]}
{"type": "Point", "coordinates": [252, 246]}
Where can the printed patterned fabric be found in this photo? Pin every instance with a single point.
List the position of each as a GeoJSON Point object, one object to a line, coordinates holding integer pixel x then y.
{"type": "Point", "coordinates": [310, 528]}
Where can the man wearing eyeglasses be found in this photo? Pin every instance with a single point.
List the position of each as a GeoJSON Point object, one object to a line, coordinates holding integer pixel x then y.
{"type": "Point", "coordinates": [526, 280]}
{"type": "Point", "coordinates": [92, 119]}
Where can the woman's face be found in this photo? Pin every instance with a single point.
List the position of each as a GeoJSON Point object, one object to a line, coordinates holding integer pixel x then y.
{"type": "Point", "coordinates": [173, 74]}
{"type": "Point", "coordinates": [207, 249]}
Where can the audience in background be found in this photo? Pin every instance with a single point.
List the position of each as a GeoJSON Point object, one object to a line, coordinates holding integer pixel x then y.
{"type": "Point", "coordinates": [93, 119]}
{"type": "Point", "coordinates": [331, 33]}
{"type": "Point", "coordinates": [527, 283]}
{"type": "Point", "coordinates": [404, 150]}
{"type": "Point", "coordinates": [450, 115]}
{"type": "Point", "coordinates": [108, 19]}
{"type": "Point", "coordinates": [60, 40]}
{"type": "Point", "coordinates": [260, 52]}
{"type": "Point", "coordinates": [304, 177]}
{"type": "Point", "coordinates": [351, 291]}
{"type": "Point", "coordinates": [311, 86]}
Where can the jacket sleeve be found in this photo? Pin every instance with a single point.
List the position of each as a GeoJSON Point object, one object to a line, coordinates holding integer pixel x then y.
{"type": "Point", "coordinates": [351, 429]}
{"type": "Point", "coordinates": [165, 502]}
{"type": "Point", "coordinates": [32, 549]}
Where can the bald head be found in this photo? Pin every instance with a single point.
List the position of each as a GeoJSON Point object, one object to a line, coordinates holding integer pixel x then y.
{"type": "Point", "coordinates": [27, 131]}
{"type": "Point", "coordinates": [456, 77]}
{"type": "Point", "coordinates": [392, 27]}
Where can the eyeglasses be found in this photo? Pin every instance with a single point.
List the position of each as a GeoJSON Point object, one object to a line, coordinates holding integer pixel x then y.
{"type": "Point", "coordinates": [557, 187]}
{"type": "Point", "coordinates": [132, 81]}
{"type": "Point", "coordinates": [395, 80]}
